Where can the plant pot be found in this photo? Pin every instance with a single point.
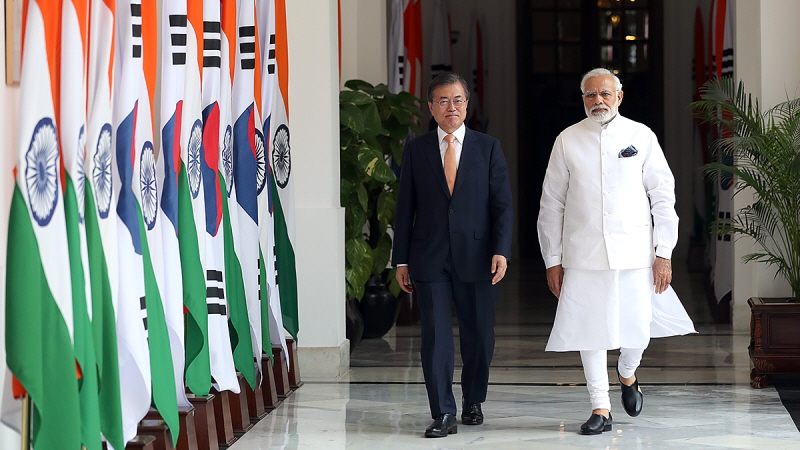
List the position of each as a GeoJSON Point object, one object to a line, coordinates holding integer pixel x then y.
{"type": "Point", "coordinates": [774, 338]}
{"type": "Point", "coordinates": [354, 323]}
{"type": "Point", "coordinates": [378, 307]}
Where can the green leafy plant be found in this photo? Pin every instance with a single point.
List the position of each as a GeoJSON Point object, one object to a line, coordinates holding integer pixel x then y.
{"type": "Point", "coordinates": [373, 124]}
{"type": "Point", "coordinates": [762, 152]}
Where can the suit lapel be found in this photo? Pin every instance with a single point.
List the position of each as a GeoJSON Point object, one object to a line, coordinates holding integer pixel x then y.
{"type": "Point", "coordinates": [435, 160]}
{"type": "Point", "coordinates": [466, 162]}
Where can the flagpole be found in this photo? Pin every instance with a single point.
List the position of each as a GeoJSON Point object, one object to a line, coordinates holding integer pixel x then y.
{"type": "Point", "coordinates": [25, 433]}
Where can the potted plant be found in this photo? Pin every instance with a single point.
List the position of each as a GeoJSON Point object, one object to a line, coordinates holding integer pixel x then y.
{"type": "Point", "coordinates": [762, 150]}
{"type": "Point", "coordinates": [373, 125]}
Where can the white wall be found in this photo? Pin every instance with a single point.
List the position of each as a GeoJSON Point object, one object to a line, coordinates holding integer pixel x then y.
{"type": "Point", "coordinates": [364, 49]}
{"type": "Point", "coordinates": [9, 99]}
{"type": "Point", "coordinates": [314, 121]}
{"type": "Point", "coordinates": [765, 61]}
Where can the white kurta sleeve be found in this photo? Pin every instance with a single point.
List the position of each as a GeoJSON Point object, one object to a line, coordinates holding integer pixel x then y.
{"type": "Point", "coordinates": [660, 186]}
{"type": "Point", "coordinates": [551, 208]}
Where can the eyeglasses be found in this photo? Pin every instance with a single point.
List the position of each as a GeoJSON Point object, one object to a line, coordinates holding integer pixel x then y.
{"type": "Point", "coordinates": [591, 95]}
{"type": "Point", "coordinates": [458, 103]}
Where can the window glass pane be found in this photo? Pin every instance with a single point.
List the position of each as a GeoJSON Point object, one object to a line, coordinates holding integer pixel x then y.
{"type": "Point", "coordinates": [610, 25]}
{"type": "Point", "coordinates": [636, 3]}
{"type": "Point", "coordinates": [569, 26]}
{"type": "Point", "coordinates": [543, 3]}
{"type": "Point", "coordinates": [569, 4]}
{"type": "Point", "coordinates": [544, 58]}
{"type": "Point", "coordinates": [569, 58]}
{"type": "Point", "coordinates": [636, 57]}
{"type": "Point", "coordinates": [543, 26]}
{"type": "Point", "coordinates": [609, 3]}
{"type": "Point", "coordinates": [611, 57]}
{"type": "Point", "coordinates": [637, 25]}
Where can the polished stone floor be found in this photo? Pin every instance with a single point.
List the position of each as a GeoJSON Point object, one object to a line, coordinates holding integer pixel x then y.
{"type": "Point", "coordinates": [696, 391]}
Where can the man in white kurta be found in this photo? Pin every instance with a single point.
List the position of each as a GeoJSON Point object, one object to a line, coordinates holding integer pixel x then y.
{"type": "Point", "coordinates": [607, 227]}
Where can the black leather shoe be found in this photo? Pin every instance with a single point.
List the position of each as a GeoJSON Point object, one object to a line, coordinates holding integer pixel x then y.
{"type": "Point", "coordinates": [632, 397]}
{"type": "Point", "coordinates": [596, 424]}
{"type": "Point", "coordinates": [443, 425]}
{"type": "Point", "coordinates": [471, 414]}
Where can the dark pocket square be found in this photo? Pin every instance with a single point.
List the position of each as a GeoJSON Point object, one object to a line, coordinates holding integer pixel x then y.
{"type": "Point", "coordinates": [628, 152]}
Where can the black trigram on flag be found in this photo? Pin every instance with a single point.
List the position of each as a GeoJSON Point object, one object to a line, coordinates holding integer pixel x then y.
{"type": "Point", "coordinates": [143, 310]}
{"type": "Point", "coordinates": [247, 47]}
{"type": "Point", "coordinates": [436, 69]}
{"type": "Point", "coordinates": [215, 293]}
{"type": "Point", "coordinates": [401, 68]}
{"type": "Point", "coordinates": [271, 55]}
{"type": "Point", "coordinates": [212, 44]}
{"type": "Point", "coordinates": [136, 29]}
{"type": "Point", "coordinates": [177, 35]}
{"type": "Point", "coordinates": [723, 215]}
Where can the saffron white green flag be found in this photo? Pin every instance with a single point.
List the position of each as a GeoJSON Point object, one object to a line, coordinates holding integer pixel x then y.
{"type": "Point", "coordinates": [101, 218]}
{"type": "Point", "coordinates": [161, 368]}
{"type": "Point", "coordinates": [72, 136]}
{"type": "Point", "coordinates": [168, 168]}
{"type": "Point", "coordinates": [271, 315]}
{"type": "Point", "coordinates": [244, 211]}
{"type": "Point", "coordinates": [283, 186]}
{"type": "Point", "coordinates": [39, 319]}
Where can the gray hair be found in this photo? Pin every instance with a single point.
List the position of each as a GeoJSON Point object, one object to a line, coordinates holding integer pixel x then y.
{"type": "Point", "coordinates": [598, 72]}
{"type": "Point", "coordinates": [446, 79]}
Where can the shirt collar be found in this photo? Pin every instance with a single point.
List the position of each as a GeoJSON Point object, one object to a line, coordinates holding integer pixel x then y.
{"type": "Point", "coordinates": [459, 134]}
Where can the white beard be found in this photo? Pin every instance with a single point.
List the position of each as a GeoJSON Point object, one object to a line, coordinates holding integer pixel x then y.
{"type": "Point", "coordinates": [601, 114]}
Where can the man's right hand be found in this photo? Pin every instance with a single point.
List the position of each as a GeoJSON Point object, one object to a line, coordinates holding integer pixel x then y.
{"type": "Point", "coordinates": [403, 279]}
{"type": "Point", "coordinates": [555, 277]}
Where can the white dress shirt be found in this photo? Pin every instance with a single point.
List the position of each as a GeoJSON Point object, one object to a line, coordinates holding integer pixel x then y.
{"type": "Point", "coordinates": [608, 198]}
{"type": "Point", "coordinates": [459, 134]}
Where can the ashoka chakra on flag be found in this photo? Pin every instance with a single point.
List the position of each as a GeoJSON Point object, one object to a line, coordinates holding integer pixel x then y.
{"type": "Point", "coordinates": [41, 171]}
{"type": "Point", "coordinates": [281, 157]}
{"type": "Point", "coordinates": [149, 188]}
{"type": "Point", "coordinates": [227, 159]}
{"type": "Point", "coordinates": [101, 172]}
{"type": "Point", "coordinates": [261, 162]}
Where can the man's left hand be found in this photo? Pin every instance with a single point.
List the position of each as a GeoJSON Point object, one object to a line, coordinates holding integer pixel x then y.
{"type": "Point", "coordinates": [662, 274]}
{"type": "Point", "coordinates": [499, 266]}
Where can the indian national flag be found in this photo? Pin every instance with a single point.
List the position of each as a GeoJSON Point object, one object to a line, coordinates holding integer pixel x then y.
{"type": "Point", "coordinates": [283, 186]}
{"type": "Point", "coordinates": [101, 219]}
{"type": "Point", "coordinates": [153, 228]}
{"type": "Point", "coordinates": [72, 136]}
{"type": "Point", "coordinates": [39, 319]}
{"type": "Point", "coordinates": [271, 316]}
{"type": "Point", "coordinates": [244, 211]}
{"type": "Point", "coordinates": [168, 171]}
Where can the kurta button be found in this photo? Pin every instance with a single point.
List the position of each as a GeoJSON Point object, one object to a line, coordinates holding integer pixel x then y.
{"type": "Point", "coordinates": [451, 210]}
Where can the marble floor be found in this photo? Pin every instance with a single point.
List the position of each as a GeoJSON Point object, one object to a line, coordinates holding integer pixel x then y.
{"type": "Point", "coordinates": [696, 391]}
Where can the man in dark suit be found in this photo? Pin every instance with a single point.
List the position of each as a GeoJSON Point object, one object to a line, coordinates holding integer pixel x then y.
{"type": "Point", "coordinates": [452, 237]}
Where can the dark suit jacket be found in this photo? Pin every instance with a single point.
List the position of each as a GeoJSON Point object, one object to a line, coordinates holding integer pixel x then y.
{"type": "Point", "coordinates": [474, 224]}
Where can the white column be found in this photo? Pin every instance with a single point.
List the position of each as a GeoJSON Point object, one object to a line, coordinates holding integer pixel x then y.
{"type": "Point", "coordinates": [9, 99]}
{"type": "Point", "coordinates": [314, 120]}
{"type": "Point", "coordinates": [364, 41]}
{"type": "Point", "coordinates": [763, 59]}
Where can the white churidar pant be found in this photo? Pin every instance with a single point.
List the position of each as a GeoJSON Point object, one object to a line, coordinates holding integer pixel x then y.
{"type": "Point", "coordinates": [595, 368]}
